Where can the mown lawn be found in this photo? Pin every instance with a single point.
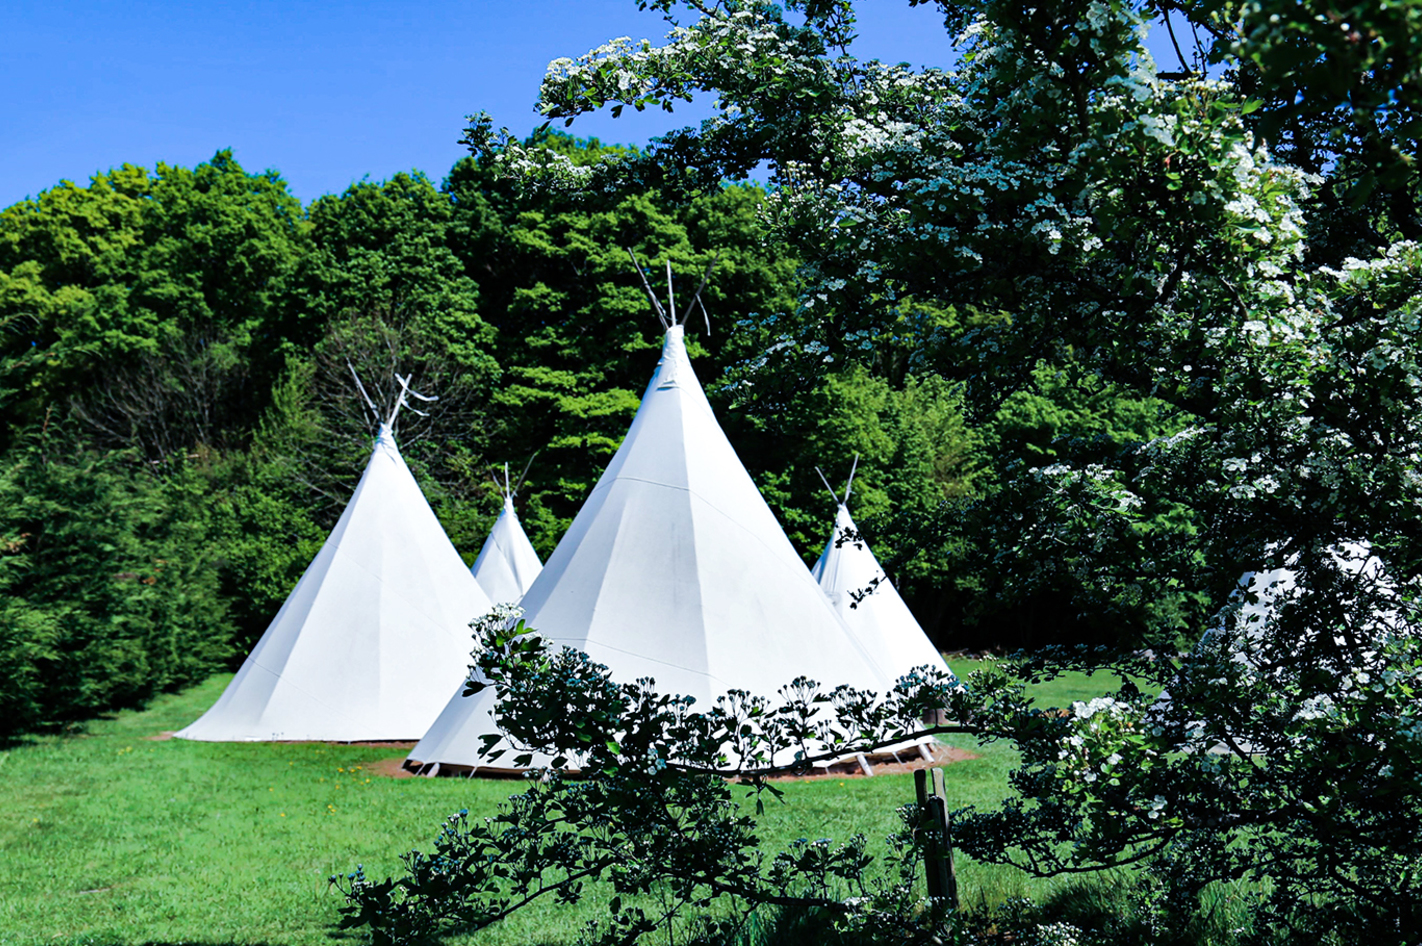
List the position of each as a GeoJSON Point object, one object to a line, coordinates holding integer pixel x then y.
{"type": "Point", "coordinates": [113, 837]}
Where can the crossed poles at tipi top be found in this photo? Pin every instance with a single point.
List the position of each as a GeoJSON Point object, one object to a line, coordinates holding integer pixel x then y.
{"type": "Point", "coordinates": [507, 563]}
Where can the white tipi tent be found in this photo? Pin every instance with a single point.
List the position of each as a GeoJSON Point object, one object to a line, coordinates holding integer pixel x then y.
{"type": "Point", "coordinates": [1246, 633]}
{"type": "Point", "coordinates": [1260, 595]}
{"type": "Point", "coordinates": [675, 569]}
{"type": "Point", "coordinates": [847, 569]}
{"type": "Point", "coordinates": [375, 634]}
{"type": "Point", "coordinates": [507, 564]}
{"type": "Point", "coordinates": [1262, 592]}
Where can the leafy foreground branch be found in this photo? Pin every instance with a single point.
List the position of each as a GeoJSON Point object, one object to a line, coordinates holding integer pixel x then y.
{"type": "Point", "coordinates": [651, 808]}
{"type": "Point", "coordinates": [1281, 752]}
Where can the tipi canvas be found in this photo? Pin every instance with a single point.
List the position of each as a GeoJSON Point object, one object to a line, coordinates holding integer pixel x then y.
{"type": "Point", "coordinates": [1260, 596]}
{"type": "Point", "coordinates": [507, 564]}
{"type": "Point", "coordinates": [869, 603]}
{"type": "Point", "coordinates": [676, 569]}
{"type": "Point", "coordinates": [375, 635]}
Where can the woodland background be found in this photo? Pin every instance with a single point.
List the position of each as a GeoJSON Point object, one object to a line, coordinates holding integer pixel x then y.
{"type": "Point", "coordinates": [1105, 332]}
{"type": "Point", "coordinates": [179, 427]}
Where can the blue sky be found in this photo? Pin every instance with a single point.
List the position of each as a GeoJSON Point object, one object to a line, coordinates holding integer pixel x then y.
{"type": "Point", "coordinates": [325, 93]}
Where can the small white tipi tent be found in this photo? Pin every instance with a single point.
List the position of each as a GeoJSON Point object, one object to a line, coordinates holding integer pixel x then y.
{"type": "Point", "coordinates": [1246, 631]}
{"type": "Point", "coordinates": [375, 634]}
{"type": "Point", "coordinates": [1260, 595]}
{"type": "Point", "coordinates": [675, 569]}
{"type": "Point", "coordinates": [507, 564]}
{"type": "Point", "coordinates": [868, 602]}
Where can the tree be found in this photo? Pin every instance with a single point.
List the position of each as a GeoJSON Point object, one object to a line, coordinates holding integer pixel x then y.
{"type": "Point", "coordinates": [1095, 218]}
{"type": "Point", "coordinates": [651, 810]}
{"type": "Point", "coordinates": [205, 320]}
{"type": "Point", "coordinates": [1339, 88]}
{"type": "Point", "coordinates": [145, 303]}
{"type": "Point", "coordinates": [108, 578]}
{"type": "Point", "coordinates": [556, 282]}
{"type": "Point", "coordinates": [382, 294]}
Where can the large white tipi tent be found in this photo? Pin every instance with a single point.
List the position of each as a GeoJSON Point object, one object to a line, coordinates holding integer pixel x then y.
{"type": "Point", "coordinates": [868, 602]}
{"type": "Point", "coordinates": [375, 634]}
{"type": "Point", "coordinates": [675, 569]}
{"type": "Point", "coordinates": [507, 564]}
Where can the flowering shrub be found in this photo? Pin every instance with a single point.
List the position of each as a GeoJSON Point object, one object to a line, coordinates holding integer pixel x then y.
{"type": "Point", "coordinates": [1104, 220]}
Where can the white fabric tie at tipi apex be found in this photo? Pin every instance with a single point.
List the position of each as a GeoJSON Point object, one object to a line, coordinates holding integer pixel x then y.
{"type": "Point", "coordinates": [676, 569]}
{"type": "Point", "coordinates": [507, 564]}
{"type": "Point", "coordinates": [375, 635]}
{"type": "Point", "coordinates": [883, 623]}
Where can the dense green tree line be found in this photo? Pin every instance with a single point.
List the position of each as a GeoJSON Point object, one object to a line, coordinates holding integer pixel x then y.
{"type": "Point", "coordinates": [175, 388]}
{"type": "Point", "coordinates": [194, 332]}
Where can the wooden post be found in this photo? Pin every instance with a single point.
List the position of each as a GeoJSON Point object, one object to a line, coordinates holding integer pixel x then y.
{"type": "Point", "coordinates": [945, 829]}
{"type": "Point", "coordinates": [926, 829]}
{"type": "Point", "coordinates": [937, 836]}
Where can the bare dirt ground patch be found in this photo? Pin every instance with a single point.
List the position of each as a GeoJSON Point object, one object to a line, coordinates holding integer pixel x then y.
{"type": "Point", "coordinates": [882, 764]}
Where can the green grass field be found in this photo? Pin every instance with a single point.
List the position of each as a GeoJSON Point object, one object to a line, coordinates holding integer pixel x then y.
{"type": "Point", "coordinates": [113, 837]}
